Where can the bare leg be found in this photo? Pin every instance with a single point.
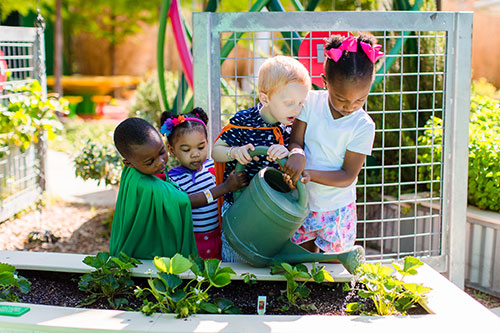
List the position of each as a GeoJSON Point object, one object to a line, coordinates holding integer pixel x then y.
{"type": "Point", "coordinates": [310, 246]}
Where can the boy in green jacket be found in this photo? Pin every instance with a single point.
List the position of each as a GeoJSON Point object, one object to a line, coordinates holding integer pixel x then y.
{"type": "Point", "coordinates": [152, 216]}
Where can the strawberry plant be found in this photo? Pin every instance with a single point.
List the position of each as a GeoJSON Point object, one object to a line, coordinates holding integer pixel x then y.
{"type": "Point", "coordinates": [9, 281]}
{"type": "Point", "coordinates": [389, 294]}
{"type": "Point", "coordinates": [172, 295]}
{"type": "Point", "coordinates": [249, 278]}
{"type": "Point", "coordinates": [296, 278]}
{"type": "Point", "coordinates": [111, 279]}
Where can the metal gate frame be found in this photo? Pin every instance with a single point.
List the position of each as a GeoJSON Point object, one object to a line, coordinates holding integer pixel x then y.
{"type": "Point", "coordinates": [31, 39]}
{"type": "Point", "coordinates": [458, 28]}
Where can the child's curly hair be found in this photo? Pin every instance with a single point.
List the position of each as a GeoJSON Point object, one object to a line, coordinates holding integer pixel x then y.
{"type": "Point", "coordinates": [188, 125]}
{"type": "Point", "coordinates": [351, 65]}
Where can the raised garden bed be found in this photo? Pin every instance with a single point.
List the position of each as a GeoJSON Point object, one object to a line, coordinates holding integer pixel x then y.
{"type": "Point", "coordinates": [60, 289]}
{"type": "Point", "coordinates": [446, 304]}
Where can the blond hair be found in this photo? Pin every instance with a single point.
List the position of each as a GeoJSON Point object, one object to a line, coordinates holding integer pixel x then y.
{"type": "Point", "coordinates": [279, 71]}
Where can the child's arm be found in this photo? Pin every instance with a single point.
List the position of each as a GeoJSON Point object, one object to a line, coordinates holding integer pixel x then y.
{"type": "Point", "coordinates": [297, 159]}
{"type": "Point", "coordinates": [339, 178]}
{"type": "Point", "coordinates": [221, 152]}
{"type": "Point", "coordinates": [234, 182]}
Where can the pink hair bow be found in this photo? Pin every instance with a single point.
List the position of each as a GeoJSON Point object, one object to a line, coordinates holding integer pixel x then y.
{"type": "Point", "coordinates": [349, 44]}
{"type": "Point", "coordinates": [373, 52]}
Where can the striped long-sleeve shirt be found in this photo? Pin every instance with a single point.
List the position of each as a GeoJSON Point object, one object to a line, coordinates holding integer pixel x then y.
{"type": "Point", "coordinates": [205, 218]}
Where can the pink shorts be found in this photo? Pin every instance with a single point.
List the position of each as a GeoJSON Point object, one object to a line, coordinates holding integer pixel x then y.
{"type": "Point", "coordinates": [209, 244]}
{"type": "Point", "coordinates": [333, 231]}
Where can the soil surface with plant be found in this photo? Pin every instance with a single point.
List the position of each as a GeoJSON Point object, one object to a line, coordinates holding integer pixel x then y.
{"type": "Point", "coordinates": [61, 289]}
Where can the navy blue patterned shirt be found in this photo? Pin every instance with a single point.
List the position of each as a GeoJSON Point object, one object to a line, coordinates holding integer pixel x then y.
{"type": "Point", "coordinates": [237, 137]}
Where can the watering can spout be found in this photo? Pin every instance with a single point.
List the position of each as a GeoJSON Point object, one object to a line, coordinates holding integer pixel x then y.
{"type": "Point", "coordinates": [351, 258]}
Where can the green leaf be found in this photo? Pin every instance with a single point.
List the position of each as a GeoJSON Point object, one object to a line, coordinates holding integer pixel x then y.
{"type": "Point", "coordinates": [411, 263]}
{"type": "Point", "coordinates": [287, 267]}
{"type": "Point", "coordinates": [352, 307]}
{"type": "Point", "coordinates": [198, 265]}
{"type": "Point", "coordinates": [24, 285]}
{"type": "Point", "coordinates": [303, 275]}
{"type": "Point", "coordinates": [416, 288]}
{"type": "Point", "coordinates": [178, 295]}
{"type": "Point", "coordinates": [92, 262]}
{"type": "Point", "coordinates": [6, 268]}
{"type": "Point", "coordinates": [103, 257]}
{"type": "Point", "coordinates": [301, 268]}
{"type": "Point", "coordinates": [221, 280]}
{"type": "Point", "coordinates": [157, 285]}
{"type": "Point", "coordinates": [118, 302]}
{"type": "Point", "coordinates": [390, 284]}
{"type": "Point", "coordinates": [180, 264]}
{"type": "Point", "coordinates": [172, 281]}
{"type": "Point", "coordinates": [303, 291]}
{"type": "Point", "coordinates": [223, 303]}
{"type": "Point", "coordinates": [211, 267]}
{"type": "Point", "coordinates": [209, 307]}
{"type": "Point", "coordinates": [364, 294]}
{"type": "Point", "coordinates": [7, 279]}
{"type": "Point", "coordinates": [162, 264]}
{"type": "Point", "coordinates": [327, 276]}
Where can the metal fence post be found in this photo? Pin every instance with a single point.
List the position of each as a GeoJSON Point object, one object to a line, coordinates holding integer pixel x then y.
{"type": "Point", "coordinates": [206, 70]}
{"type": "Point", "coordinates": [40, 75]}
{"type": "Point", "coordinates": [456, 153]}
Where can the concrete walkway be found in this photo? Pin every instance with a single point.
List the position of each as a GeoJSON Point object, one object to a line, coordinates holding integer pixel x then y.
{"type": "Point", "coordinates": [62, 183]}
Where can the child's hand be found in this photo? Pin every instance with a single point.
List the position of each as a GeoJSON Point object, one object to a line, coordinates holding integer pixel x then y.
{"type": "Point", "coordinates": [306, 176]}
{"type": "Point", "coordinates": [235, 181]}
{"type": "Point", "coordinates": [294, 167]}
{"type": "Point", "coordinates": [241, 154]}
{"type": "Point", "coordinates": [276, 152]}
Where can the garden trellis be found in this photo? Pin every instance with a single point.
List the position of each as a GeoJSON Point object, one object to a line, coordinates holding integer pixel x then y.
{"type": "Point", "coordinates": [21, 173]}
{"type": "Point", "coordinates": [408, 203]}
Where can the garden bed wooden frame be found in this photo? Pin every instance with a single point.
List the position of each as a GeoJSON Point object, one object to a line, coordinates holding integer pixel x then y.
{"type": "Point", "coordinates": [449, 307]}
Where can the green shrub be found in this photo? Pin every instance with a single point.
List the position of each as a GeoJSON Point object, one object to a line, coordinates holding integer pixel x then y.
{"type": "Point", "coordinates": [28, 114]}
{"type": "Point", "coordinates": [102, 162]}
{"type": "Point", "coordinates": [77, 132]}
{"type": "Point", "coordinates": [484, 152]}
{"type": "Point", "coordinates": [99, 162]}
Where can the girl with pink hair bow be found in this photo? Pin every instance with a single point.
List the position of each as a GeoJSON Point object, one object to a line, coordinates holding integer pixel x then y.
{"type": "Point", "coordinates": [330, 140]}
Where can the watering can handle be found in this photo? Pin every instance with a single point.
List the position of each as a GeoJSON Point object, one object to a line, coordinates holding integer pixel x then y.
{"type": "Point", "coordinates": [262, 150]}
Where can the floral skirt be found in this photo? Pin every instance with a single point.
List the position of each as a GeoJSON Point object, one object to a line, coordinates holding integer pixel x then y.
{"type": "Point", "coordinates": [333, 231]}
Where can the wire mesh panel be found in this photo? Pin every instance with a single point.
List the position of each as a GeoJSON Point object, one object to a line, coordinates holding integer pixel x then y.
{"type": "Point", "coordinates": [22, 56]}
{"type": "Point", "coordinates": [406, 196]}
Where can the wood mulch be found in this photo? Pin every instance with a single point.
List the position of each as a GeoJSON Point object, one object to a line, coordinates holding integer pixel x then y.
{"type": "Point", "coordinates": [58, 227]}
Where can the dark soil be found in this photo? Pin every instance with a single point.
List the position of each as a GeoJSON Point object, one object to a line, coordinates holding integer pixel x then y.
{"type": "Point", "coordinates": [61, 289]}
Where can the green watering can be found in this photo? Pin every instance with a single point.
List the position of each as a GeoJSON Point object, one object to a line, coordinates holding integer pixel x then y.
{"type": "Point", "coordinates": [266, 214]}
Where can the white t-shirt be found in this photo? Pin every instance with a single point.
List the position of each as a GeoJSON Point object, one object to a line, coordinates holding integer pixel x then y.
{"type": "Point", "coordinates": [325, 143]}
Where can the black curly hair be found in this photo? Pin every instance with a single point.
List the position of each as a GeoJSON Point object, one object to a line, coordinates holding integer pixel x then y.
{"type": "Point", "coordinates": [132, 131]}
{"type": "Point", "coordinates": [352, 66]}
{"type": "Point", "coordinates": [187, 125]}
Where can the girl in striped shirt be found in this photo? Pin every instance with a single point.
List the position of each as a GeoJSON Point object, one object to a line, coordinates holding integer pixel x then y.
{"type": "Point", "coordinates": [187, 141]}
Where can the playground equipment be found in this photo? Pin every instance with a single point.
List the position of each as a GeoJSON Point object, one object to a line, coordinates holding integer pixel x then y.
{"type": "Point", "coordinates": [266, 214]}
